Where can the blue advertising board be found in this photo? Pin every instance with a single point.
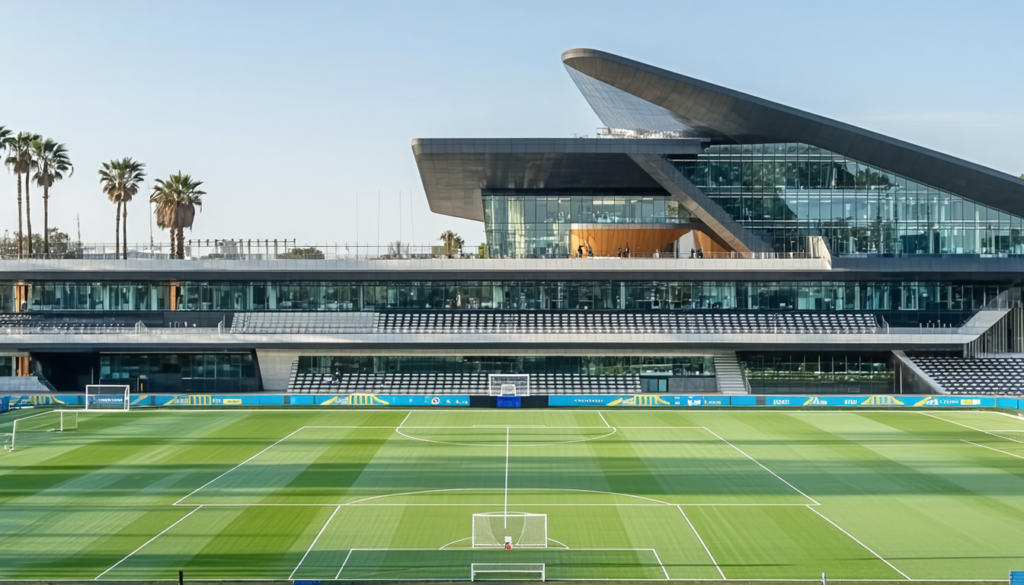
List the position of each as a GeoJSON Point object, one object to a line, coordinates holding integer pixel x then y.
{"type": "Point", "coordinates": [510, 402]}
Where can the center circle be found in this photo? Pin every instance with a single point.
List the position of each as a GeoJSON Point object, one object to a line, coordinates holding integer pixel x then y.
{"type": "Point", "coordinates": [493, 436]}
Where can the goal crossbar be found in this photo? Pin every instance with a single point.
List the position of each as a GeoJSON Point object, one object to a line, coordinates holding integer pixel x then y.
{"type": "Point", "coordinates": [108, 397]}
{"type": "Point", "coordinates": [506, 569]}
{"type": "Point", "coordinates": [508, 384]}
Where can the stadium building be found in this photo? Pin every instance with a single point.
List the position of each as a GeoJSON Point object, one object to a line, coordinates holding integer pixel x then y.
{"type": "Point", "coordinates": [707, 241]}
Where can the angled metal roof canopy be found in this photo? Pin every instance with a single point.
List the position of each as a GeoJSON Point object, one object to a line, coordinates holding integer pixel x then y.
{"type": "Point", "coordinates": [617, 88]}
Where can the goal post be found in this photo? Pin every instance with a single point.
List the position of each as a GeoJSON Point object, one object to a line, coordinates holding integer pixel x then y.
{"type": "Point", "coordinates": [522, 530]}
{"type": "Point", "coordinates": [508, 384]}
{"type": "Point", "coordinates": [108, 397]}
{"type": "Point", "coordinates": [27, 431]}
{"type": "Point", "coordinates": [506, 571]}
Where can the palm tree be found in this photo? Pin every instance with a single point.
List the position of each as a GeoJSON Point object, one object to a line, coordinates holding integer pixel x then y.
{"type": "Point", "coordinates": [52, 162]}
{"type": "Point", "coordinates": [452, 242]}
{"type": "Point", "coordinates": [5, 139]}
{"type": "Point", "coordinates": [20, 160]}
{"type": "Point", "coordinates": [176, 200]}
{"type": "Point", "coordinates": [121, 180]}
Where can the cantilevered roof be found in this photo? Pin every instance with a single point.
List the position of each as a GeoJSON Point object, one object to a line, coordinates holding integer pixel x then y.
{"type": "Point", "coordinates": [722, 115]}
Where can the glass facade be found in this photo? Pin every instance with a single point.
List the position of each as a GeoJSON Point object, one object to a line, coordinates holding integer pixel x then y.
{"type": "Point", "coordinates": [530, 223]}
{"type": "Point", "coordinates": [902, 303]}
{"type": "Point", "coordinates": [691, 366]}
{"type": "Point", "coordinates": [6, 365]}
{"type": "Point", "coordinates": [187, 372]}
{"type": "Point", "coordinates": [785, 192]}
{"type": "Point", "coordinates": [798, 373]}
{"type": "Point", "coordinates": [97, 296]}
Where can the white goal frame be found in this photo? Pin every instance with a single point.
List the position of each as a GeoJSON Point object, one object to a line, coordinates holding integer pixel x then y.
{"type": "Point", "coordinates": [68, 422]}
{"type": "Point", "coordinates": [499, 384]}
{"type": "Point", "coordinates": [504, 568]}
{"type": "Point", "coordinates": [484, 521]}
{"type": "Point", "coordinates": [111, 389]}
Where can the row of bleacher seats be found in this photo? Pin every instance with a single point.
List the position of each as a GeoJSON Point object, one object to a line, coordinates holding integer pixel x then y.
{"type": "Point", "coordinates": [462, 383]}
{"type": "Point", "coordinates": [271, 323]}
{"type": "Point", "coordinates": [985, 376]}
{"type": "Point", "coordinates": [544, 322]}
{"type": "Point", "coordinates": [626, 323]}
{"type": "Point", "coordinates": [28, 323]}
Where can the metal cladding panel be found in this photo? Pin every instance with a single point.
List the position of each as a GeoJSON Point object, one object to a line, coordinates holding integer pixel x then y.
{"type": "Point", "coordinates": [745, 119]}
{"type": "Point", "coordinates": [455, 171]}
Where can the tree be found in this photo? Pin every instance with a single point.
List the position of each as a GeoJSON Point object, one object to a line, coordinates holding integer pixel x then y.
{"type": "Point", "coordinates": [19, 150]}
{"type": "Point", "coordinates": [452, 242]}
{"type": "Point", "coordinates": [310, 253]}
{"type": "Point", "coordinates": [60, 245]}
{"type": "Point", "coordinates": [52, 161]}
{"type": "Point", "coordinates": [120, 180]}
{"type": "Point", "coordinates": [176, 200]}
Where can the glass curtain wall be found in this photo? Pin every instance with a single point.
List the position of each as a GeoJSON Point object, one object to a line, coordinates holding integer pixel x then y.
{"type": "Point", "coordinates": [529, 223]}
{"type": "Point", "coordinates": [790, 373]}
{"type": "Point", "coordinates": [785, 192]}
{"type": "Point", "coordinates": [6, 365]}
{"type": "Point", "coordinates": [189, 372]}
{"type": "Point", "coordinates": [904, 303]}
{"type": "Point", "coordinates": [691, 366]}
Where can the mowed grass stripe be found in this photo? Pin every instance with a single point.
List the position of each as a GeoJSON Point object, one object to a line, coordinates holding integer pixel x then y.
{"type": "Point", "coordinates": [783, 543]}
{"type": "Point", "coordinates": [255, 542]}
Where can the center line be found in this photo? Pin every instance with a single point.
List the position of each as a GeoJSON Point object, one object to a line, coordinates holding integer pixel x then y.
{"type": "Point", "coordinates": [508, 432]}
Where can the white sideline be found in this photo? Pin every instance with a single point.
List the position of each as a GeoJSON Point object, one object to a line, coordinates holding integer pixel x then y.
{"type": "Point", "coordinates": [891, 566]}
{"type": "Point", "coordinates": [993, 449]}
{"type": "Point", "coordinates": [319, 534]}
{"type": "Point", "coordinates": [147, 542]}
{"type": "Point", "coordinates": [508, 433]}
{"type": "Point", "coordinates": [970, 427]}
{"type": "Point", "coordinates": [236, 467]}
{"type": "Point", "coordinates": [706, 549]}
{"type": "Point", "coordinates": [794, 488]}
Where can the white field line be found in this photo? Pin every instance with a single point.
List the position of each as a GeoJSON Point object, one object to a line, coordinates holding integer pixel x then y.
{"type": "Point", "coordinates": [237, 466]}
{"type": "Point", "coordinates": [969, 427]}
{"type": "Point", "coordinates": [310, 549]}
{"type": "Point", "coordinates": [545, 444]}
{"type": "Point", "coordinates": [405, 419]}
{"type": "Point", "coordinates": [454, 541]}
{"type": "Point", "coordinates": [600, 414]}
{"type": "Point", "coordinates": [793, 487]}
{"type": "Point", "coordinates": [495, 505]}
{"type": "Point", "coordinates": [706, 549]}
{"type": "Point", "coordinates": [508, 434]}
{"type": "Point", "coordinates": [146, 543]}
{"type": "Point", "coordinates": [993, 449]}
{"type": "Point", "coordinates": [338, 576]}
{"type": "Point", "coordinates": [561, 543]}
{"type": "Point", "coordinates": [891, 566]}
{"type": "Point", "coordinates": [418, 492]}
{"type": "Point", "coordinates": [500, 427]}
{"type": "Point", "coordinates": [660, 564]}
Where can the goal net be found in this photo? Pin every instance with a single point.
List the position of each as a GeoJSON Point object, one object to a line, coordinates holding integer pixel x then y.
{"type": "Point", "coordinates": [508, 384]}
{"type": "Point", "coordinates": [521, 530]}
{"type": "Point", "coordinates": [507, 571]}
{"type": "Point", "coordinates": [107, 397]}
{"type": "Point", "coordinates": [32, 430]}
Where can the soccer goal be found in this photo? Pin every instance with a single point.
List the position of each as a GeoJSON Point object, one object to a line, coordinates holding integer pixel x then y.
{"type": "Point", "coordinates": [508, 384]}
{"type": "Point", "coordinates": [520, 530]}
{"type": "Point", "coordinates": [110, 397]}
{"type": "Point", "coordinates": [507, 571]}
{"type": "Point", "coordinates": [30, 430]}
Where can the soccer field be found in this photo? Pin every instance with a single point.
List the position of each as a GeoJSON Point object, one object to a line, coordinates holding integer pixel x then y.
{"type": "Point", "coordinates": [626, 494]}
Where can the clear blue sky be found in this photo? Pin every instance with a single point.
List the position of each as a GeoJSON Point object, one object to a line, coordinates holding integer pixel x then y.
{"type": "Point", "coordinates": [287, 109]}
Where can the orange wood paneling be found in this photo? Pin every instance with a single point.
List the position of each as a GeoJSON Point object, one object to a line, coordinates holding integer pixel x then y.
{"type": "Point", "coordinates": [607, 241]}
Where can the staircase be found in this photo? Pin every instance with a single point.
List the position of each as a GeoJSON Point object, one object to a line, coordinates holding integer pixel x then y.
{"type": "Point", "coordinates": [729, 375]}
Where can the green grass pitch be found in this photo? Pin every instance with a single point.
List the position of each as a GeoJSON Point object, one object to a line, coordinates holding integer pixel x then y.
{"type": "Point", "coordinates": [627, 494]}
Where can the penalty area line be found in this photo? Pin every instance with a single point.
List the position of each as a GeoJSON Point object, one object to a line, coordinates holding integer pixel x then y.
{"type": "Point", "coordinates": [993, 449]}
{"type": "Point", "coordinates": [706, 549]}
{"type": "Point", "coordinates": [761, 465]}
{"type": "Point", "coordinates": [237, 466]}
{"type": "Point", "coordinates": [891, 566]}
{"type": "Point", "coordinates": [146, 543]}
{"type": "Point", "coordinates": [345, 562]}
{"type": "Point", "coordinates": [310, 549]}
